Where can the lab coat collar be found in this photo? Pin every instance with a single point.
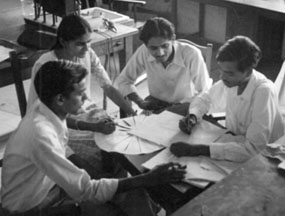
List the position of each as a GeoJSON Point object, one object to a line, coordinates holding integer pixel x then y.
{"type": "Point", "coordinates": [251, 86]}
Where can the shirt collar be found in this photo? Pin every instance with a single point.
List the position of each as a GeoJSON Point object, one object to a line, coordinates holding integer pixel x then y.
{"type": "Point", "coordinates": [60, 125]}
{"type": "Point", "coordinates": [247, 93]}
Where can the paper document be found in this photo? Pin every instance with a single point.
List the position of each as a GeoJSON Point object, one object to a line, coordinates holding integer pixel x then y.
{"type": "Point", "coordinates": [200, 170]}
{"type": "Point", "coordinates": [122, 142]}
{"type": "Point", "coordinates": [4, 53]}
{"type": "Point", "coordinates": [163, 129]}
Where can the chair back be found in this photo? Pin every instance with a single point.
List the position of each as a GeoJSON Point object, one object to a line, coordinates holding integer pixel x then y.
{"type": "Point", "coordinates": [207, 51]}
{"type": "Point", "coordinates": [280, 87]}
{"type": "Point", "coordinates": [21, 70]}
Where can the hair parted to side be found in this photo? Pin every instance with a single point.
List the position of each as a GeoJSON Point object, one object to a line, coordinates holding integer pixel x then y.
{"type": "Point", "coordinates": [71, 28]}
{"type": "Point", "coordinates": [58, 77]}
{"type": "Point", "coordinates": [242, 50]}
{"type": "Point", "coordinates": [157, 27]}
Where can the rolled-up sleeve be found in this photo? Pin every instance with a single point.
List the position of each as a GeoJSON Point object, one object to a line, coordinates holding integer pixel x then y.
{"type": "Point", "coordinates": [134, 68]}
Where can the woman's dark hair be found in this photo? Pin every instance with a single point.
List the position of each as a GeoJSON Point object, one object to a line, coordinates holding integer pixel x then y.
{"type": "Point", "coordinates": [57, 77]}
{"type": "Point", "coordinates": [71, 28]}
{"type": "Point", "coordinates": [157, 27]}
{"type": "Point", "coordinates": [242, 50]}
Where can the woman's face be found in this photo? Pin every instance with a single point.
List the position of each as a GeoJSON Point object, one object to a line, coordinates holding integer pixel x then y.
{"type": "Point", "coordinates": [78, 47]}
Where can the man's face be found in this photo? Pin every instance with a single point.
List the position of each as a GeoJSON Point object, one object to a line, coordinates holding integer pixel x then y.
{"type": "Point", "coordinates": [78, 47]}
{"type": "Point", "coordinates": [230, 75]}
{"type": "Point", "coordinates": [160, 48]}
{"type": "Point", "coordinates": [73, 103]}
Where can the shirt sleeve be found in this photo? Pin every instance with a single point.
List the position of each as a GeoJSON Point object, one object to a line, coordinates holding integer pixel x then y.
{"type": "Point", "coordinates": [241, 148]}
{"type": "Point", "coordinates": [213, 100]}
{"type": "Point", "coordinates": [99, 71]}
{"type": "Point", "coordinates": [134, 68]}
{"type": "Point", "coordinates": [49, 156]}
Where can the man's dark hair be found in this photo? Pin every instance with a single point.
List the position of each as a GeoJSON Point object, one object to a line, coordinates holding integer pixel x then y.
{"type": "Point", "coordinates": [71, 28]}
{"type": "Point", "coordinates": [157, 27]}
{"type": "Point", "coordinates": [57, 77]}
{"type": "Point", "coordinates": [242, 50]}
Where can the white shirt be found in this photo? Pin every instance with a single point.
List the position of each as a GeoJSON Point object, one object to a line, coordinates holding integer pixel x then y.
{"type": "Point", "coordinates": [182, 79]}
{"type": "Point", "coordinates": [90, 61]}
{"type": "Point", "coordinates": [253, 116]}
{"type": "Point", "coordinates": [34, 161]}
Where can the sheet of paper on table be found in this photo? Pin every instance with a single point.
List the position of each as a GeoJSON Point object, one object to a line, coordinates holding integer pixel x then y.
{"type": "Point", "coordinates": [4, 53]}
{"type": "Point", "coordinates": [122, 142]}
{"type": "Point", "coordinates": [163, 129]}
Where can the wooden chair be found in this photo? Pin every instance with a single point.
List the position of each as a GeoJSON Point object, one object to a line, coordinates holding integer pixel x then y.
{"type": "Point", "coordinates": [207, 51]}
{"type": "Point", "coordinates": [21, 70]}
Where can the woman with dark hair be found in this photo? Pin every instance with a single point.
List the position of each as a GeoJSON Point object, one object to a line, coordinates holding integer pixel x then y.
{"type": "Point", "coordinates": [73, 43]}
{"type": "Point", "coordinates": [246, 96]}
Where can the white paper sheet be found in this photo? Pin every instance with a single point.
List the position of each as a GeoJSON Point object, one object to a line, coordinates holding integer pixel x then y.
{"type": "Point", "coordinates": [4, 53]}
{"type": "Point", "coordinates": [122, 142]}
{"type": "Point", "coordinates": [163, 129]}
{"type": "Point", "coordinates": [200, 170]}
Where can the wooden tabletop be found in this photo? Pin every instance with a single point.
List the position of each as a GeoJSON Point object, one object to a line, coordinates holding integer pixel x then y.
{"type": "Point", "coordinates": [257, 188]}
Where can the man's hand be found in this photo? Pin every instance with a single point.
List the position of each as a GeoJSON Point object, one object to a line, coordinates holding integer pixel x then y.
{"type": "Point", "coordinates": [187, 123]}
{"type": "Point", "coordinates": [147, 105]}
{"type": "Point", "coordinates": [166, 173]}
{"type": "Point", "coordinates": [106, 126]}
{"type": "Point", "coordinates": [181, 149]}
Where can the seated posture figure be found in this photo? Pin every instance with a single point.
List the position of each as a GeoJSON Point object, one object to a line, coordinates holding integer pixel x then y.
{"type": "Point", "coordinates": [246, 96]}
{"type": "Point", "coordinates": [74, 36]}
{"type": "Point", "coordinates": [36, 174]}
{"type": "Point", "coordinates": [73, 43]}
{"type": "Point", "coordinates": [175, 71]}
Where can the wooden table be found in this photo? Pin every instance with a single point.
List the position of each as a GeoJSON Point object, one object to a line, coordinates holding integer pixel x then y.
{"type": "Point", "coordinates": [166, 195]}
{"type": "Point", "coordinates": [103, 44]}
{"type": "Point", "coordinates": [257, 188]}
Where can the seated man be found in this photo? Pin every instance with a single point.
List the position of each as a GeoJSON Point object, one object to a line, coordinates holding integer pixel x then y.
{"type": "Point", "coordinates": [36, 173]}
{"type": "Point", "coordinates": [246, 96]}
{"type": "Point", "coordinates": [175, 71]}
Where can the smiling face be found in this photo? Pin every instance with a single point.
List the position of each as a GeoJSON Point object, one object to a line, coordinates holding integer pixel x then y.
{"type": "Point", "coordinates": [231, 76]}
{"type": "Point", "coordinates": [160, 48]}
{"type": "Point", "coordinates": [78, 47]}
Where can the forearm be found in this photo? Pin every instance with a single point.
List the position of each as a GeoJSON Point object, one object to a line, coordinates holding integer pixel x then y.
{"type": "Point", "coordinates": [80, 125]}
{"type": "Point", "coordinates": [135, 98]}
{"type": "Point", "coordinates": [118, 99]}
{"type": "Point", "coordinates": [132, 183]}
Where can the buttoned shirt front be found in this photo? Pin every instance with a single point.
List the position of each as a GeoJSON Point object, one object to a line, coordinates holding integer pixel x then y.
{"type": "Point", "coordinates": [253, 117]}
{"type": "Point", "coordinates": [183, 78]}
{"type": "Point", "coordinates": [35, 160]}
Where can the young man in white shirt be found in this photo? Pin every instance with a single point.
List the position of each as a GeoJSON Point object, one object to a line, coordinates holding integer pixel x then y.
{"type": "Point", "coordinates": [176, 71]}
{"type": "Point", "coordinates": [36, 173]}
{"type": "Point", "coordinates": [246, 96]}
